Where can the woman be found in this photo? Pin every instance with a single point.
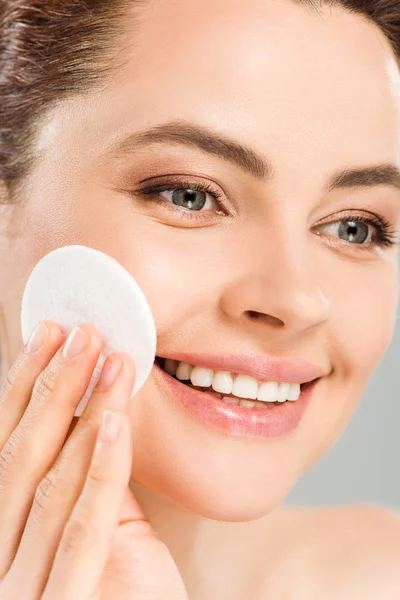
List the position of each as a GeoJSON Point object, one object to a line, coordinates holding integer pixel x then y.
{"type": "Point", "coordinates": [241, 160]}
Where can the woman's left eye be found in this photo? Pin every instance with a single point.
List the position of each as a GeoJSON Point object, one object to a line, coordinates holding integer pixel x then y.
{"type": "Point", "coordinates": [364, 232]}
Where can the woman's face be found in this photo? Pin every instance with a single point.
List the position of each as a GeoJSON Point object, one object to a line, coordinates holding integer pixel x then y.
{"type": "Point", "coordinates": [312, 94]}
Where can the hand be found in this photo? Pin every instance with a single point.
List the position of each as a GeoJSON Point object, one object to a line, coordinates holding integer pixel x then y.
{"type": "Point", "coordinates": [70, 527]}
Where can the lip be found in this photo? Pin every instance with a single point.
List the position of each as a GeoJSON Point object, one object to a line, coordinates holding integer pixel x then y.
{"type": "Point", "coordinates": [237, 421]}
{"type": "Point", "coordinates": [260, 366]}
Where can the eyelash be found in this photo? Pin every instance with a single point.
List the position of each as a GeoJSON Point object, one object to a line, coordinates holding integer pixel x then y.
{"type": "Point", "coordinates": [386, 234]}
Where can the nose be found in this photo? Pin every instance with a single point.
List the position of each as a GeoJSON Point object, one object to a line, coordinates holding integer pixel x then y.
{"type": "Point", "coordinates": [276, 281]}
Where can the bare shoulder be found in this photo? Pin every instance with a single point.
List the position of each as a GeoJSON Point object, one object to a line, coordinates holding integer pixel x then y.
{"type": "Point", "coordinates": [351, 551]}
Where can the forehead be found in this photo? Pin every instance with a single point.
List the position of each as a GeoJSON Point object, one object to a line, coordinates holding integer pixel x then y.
{"type": "Point", "coordinates": [267, 55]}
{"type": "Point", "coordinates": [271, 73]}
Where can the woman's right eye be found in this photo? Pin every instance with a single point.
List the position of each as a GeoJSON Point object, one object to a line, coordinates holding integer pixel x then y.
{"type": "Point", "coordinates": [189, 199]}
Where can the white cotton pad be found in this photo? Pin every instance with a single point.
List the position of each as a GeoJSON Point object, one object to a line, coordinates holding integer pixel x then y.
{"type": "Point", "coordinates": [77, 284]}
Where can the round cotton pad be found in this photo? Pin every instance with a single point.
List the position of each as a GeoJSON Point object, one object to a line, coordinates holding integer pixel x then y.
{"type": "Point", "coordinates": [77, 284]}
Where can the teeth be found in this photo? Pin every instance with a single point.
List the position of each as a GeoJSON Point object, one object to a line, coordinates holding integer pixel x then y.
{"type": "Point", "coordinates": [283, 392]}
{"type": "Point", "coordinates": [256, 405]}
{"type": "Point", "coordinates": [294, 392]}
{"type": "Point", "coordinates": [224, 382]}
{"type": "Point", "coordinates": [247, 403]}
{"type": "Point", "coordinates": [231, 400]}
{"type": "Point", "coordinates": [200, 376]}
{"type": "Point", "coordinates": [268, 391]}
{"type": "Point", "coordinates": [183, 371]}
{"type": "Point", "coordinates": [245, 387]}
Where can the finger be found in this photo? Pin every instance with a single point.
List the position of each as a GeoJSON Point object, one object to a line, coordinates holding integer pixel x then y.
{"type": "Point", "coordinates": [16, 391]}
{"type": "Point", "coordinates": [35, 443]}
{"type": "Point", "coordinates": [86, 540]}
{"type": "Point", "coordinates": [60, 489]}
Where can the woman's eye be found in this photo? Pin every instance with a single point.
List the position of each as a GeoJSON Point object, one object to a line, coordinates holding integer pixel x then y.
{"type": "Point", "coordinates": [200, 202]}
{"type": "Point", "coordinates": [191, 199]}
{"type": "Point", "coordinates": [351, 231]}
{"type": "Point", "coordinates": [365, 232]}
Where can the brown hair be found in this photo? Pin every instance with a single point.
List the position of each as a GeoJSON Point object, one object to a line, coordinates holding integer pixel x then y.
{"type": "Point", "coordinates": [52, 49]}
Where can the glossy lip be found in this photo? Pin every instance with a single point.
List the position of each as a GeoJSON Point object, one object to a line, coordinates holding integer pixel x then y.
{"type": "Point", "coordinates": [260, 366]}
{"type": "Point", "coordinates": [237, 421]}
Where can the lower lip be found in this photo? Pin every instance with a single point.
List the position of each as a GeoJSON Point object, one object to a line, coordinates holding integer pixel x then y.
{"type": "Point", "coordinates": [237, 420]}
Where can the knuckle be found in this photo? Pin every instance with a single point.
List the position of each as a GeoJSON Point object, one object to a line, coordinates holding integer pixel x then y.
{"type": "Point", "coordinates": [87, 420]}
{"type": "Point", "coordinates": [45, 492]}
{"type": "Point", "coordinates": [8, 383]}
{"type": "Point", "coordinates": [13, 453]}
{"type": "Point", "coordinates": [8, 455]}
{"type": "Point", "coordinates": [10, 379]}
{"type": "Point", "coordinates": [15, 371]}
{"type": "Point", "coordinates": [46, 382]}
{"type": "Point", "coordinates": [5, 390]}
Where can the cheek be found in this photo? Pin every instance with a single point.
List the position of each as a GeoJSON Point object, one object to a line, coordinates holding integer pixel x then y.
{"type": "Point", "coordinates": [360, 330]}
{"type": "Point", "coordinates": [182, 273]}
{"type": "Point", "coordinates": [174, 283]}
{"type": "Point", "coordinates": [364, 319]}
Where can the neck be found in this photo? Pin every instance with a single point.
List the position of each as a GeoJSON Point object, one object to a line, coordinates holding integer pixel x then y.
{"type": "Point", "coordinates": [182, 531]}
{"type": "Point", "coordinates": [208, 551]}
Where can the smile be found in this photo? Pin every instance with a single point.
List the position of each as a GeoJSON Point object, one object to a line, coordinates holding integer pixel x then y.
{"type": "Point", "coordinates": [228, 413]}
{"type": "Point", "coordinates": [232, 388]}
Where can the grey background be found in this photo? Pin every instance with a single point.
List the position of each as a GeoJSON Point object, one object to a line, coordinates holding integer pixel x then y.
{"type": "Point", "coordinates": [363, 465]}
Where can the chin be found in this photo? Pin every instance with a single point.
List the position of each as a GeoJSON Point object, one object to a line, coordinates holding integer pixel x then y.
{"type": "Point", "coordinates": [207, 492]}
{"type": "Point", "coordinates": [229, 508]}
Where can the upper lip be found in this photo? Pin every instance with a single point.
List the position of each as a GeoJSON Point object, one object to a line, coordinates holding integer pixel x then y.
{"type": "Point", "coordinates": [260, 366]}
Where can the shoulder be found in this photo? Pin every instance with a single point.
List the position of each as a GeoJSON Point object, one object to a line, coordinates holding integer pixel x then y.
{"type": "Point", "coordinates": [356, 550]}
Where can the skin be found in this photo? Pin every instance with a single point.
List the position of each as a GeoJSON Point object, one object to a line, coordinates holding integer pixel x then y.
{"type": "Point", "coordinates": [256, 72]}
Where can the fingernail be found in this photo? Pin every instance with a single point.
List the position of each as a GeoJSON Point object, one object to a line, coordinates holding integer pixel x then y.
{"type": "Point", "coordinates": [109, 427]}
{"type": "Point", "coordinates": [37, 338]}
{"type": "Point", "coordinates": [110, 372]}
{"type": "Point", "coordinates": [75, 344]}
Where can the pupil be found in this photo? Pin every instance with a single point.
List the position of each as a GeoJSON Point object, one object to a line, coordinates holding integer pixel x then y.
{"type": "Point", "coordinates": [194, 199]}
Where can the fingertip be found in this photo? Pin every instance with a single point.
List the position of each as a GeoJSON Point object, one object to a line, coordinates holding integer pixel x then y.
{"type": "Point", "coordinates": [94, 334]}
{"type": "Point", "coordinates": [54, 329]}
{"type": "Point", "coordinates": [128, 362]}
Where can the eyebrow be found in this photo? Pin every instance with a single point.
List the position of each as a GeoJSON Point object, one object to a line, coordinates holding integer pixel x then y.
{"type": "Point", "coordinates": [242, 156]}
